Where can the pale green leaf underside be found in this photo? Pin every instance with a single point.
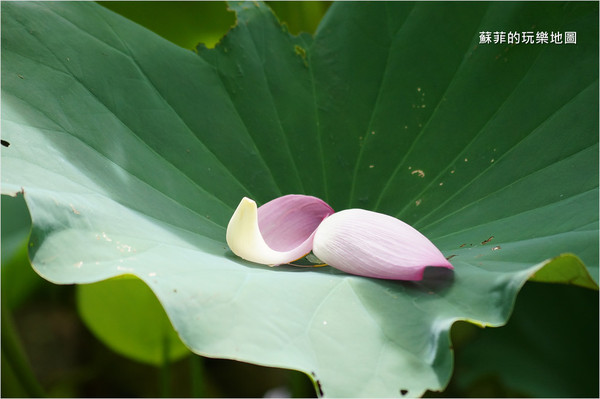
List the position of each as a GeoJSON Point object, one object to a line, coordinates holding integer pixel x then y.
{"type": "Point", "coordinates": [132, 154]}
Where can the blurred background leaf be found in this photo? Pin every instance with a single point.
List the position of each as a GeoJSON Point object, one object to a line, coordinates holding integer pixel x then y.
{"type": "Point", "coordinates": [303, 16]}
{"type": "Point", "coordinates": [189, 23]}
{"type": "Point", "coordinates": [126, 315]}
{"type": "Point", "coordinates": [549, 348]}
{"type": "Point", "coordinates": [18, 278]}
{"type": "Point", "coordinates": [185, 23]}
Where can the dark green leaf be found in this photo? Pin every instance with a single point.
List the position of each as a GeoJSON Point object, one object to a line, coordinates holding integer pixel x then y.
{"type": "Point", "coordinates": [548, 335]}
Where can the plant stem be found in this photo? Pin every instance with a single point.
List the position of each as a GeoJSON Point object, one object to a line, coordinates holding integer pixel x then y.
{"type": "Point", "coordinates": [165, 370]}
{"type": "Point", "coordinates": [197, 376]}
{"type": "Point", "coordinates": [14, 355]}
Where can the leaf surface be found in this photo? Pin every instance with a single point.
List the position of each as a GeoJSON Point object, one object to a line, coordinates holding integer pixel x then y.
{"type": "Point", "coordinates": [132, 154]}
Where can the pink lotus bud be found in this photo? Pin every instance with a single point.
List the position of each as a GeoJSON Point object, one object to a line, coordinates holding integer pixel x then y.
{"type": "Point", "coordinates": [372, 244]}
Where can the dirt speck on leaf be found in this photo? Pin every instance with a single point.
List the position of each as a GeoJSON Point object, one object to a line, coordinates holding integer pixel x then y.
{"type": "Point", "coordinates": [486, 241]}
{"type": "Point", "coordinates": [302, 53]}
{"type": "Point", "coordinates": [418, 172]}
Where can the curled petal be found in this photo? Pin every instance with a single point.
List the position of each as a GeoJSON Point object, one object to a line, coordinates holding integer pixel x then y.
{"type": "Point", "coordinates": [372, 244]}
{"type": "Point", "coordinates": [278, 232]}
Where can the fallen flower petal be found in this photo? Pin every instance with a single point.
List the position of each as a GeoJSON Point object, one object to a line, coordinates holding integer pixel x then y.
{"type": "Point", "coordinates": [372, 244]}
{"type": "Point", "coordinates": [278, 232]}
{"type": "Point", "coordinates": [355, 241]}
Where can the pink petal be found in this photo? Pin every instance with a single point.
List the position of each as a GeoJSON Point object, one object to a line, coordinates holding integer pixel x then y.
{"type": "Point", "coordinates": [280, 231]}
{"type": "Point", "coordinates": [290, 221]}
{"type": "Point", "coordinates": [372, 244]}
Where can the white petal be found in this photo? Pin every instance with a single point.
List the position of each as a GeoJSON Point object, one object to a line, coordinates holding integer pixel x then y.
{"type": "Point", "coordinates": [288, 225]}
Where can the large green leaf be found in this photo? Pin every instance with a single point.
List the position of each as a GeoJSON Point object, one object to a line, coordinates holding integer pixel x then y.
{"type": "Point", "coordinates": [132, 153]}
